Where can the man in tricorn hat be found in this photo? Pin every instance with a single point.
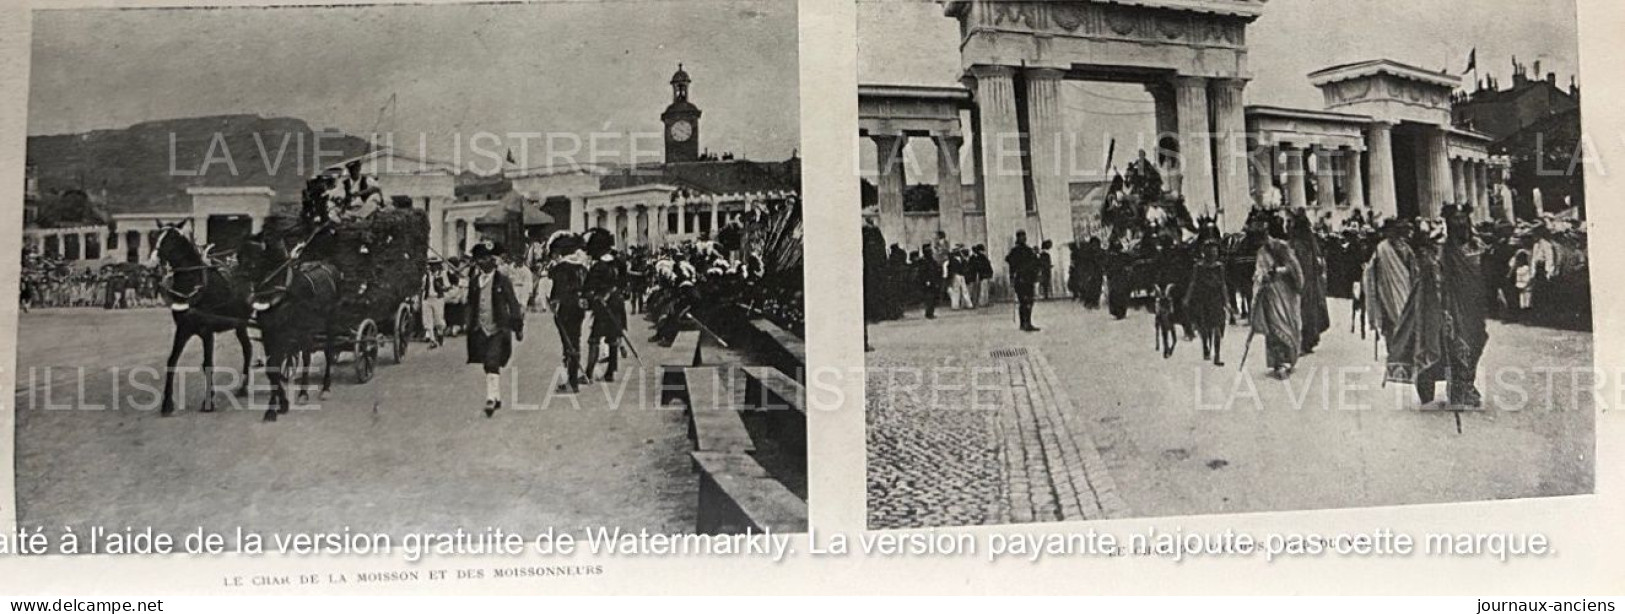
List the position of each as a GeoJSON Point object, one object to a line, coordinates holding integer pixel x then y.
{"type": "Point", "coordinates": [495, 321]}
{"type": "Point", "coordinates": [605, 299]}
{"type": "Point", "coordinates": [567, 301]}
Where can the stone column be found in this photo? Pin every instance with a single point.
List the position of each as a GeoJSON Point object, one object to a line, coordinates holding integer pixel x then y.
{"type": "Point", "coordinates": [1354, 176]}
{"type": "Point", "coordinates": [1230, 127]}
{"type": "Point", "coordinates": [715, 205]}
{"type": "Point", "coordinates": [1050, 186]}
{"type": "Point", "coordinates": [1297, 192]}
{"type": "Point", "coordinates": [1167, 110]}
{"type": "Point", "coordinates": [1384, 195]}
{"type": "Point", "coordinates": [1004, 196]}
{"type": "Point", "coordinates": [1438, 154]}
{"type": "Point", "coordinates": [950, 188]}
{"type": "Point", "coordinates": [1325, 179]}
{"type": "Point", "coordinates": [657, 225]}
{"type": "Point", "coordinates": [622, 230]}
{"type": "Point", "coordinates": [1482, 197]}
{"type": "Point", "coordinates": [1195, 150]}
{"type": "Point", "coordinates": [578, 214]}
{"type": "Point", "coordinates": [890, 181]}
{"type": "Point", "coordinates": [1263, 167]}
{"type": "Point", "coordinates": [682, 217]}
{"type": "Point", "coordinates": [200, 229]}
{"type": "Point", "coordinates": [471, 235]}
{"type": "Point", "coordinates": [1458, 180]}
{"type": "Point", "coordinates": [1165, 101]}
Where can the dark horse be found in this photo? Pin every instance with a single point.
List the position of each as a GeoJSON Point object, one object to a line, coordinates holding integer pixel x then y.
{"type": "Point", "coordinates": [1240, 255]}
{"type": "Point", "coordinates": [203, 301]}
{"type": "Point", "coordinates": [293, 302]}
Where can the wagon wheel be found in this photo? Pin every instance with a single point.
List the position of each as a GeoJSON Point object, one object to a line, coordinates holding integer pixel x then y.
{"type": "Point", "coordinates": [366, 350]}
{"type": "Point", "coordinates": [403, 332]}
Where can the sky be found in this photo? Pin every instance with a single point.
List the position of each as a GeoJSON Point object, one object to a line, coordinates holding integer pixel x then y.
{"type": "Point", "coordinates": [573, 68]}
{"type": "Point", "coordinates": [911, 42]}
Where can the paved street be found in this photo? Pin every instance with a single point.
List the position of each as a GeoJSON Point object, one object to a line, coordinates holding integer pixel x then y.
{"type": "Point", "coordinates": [409, 451]}
{"type": "Point", "coordinates": [1087, 420]}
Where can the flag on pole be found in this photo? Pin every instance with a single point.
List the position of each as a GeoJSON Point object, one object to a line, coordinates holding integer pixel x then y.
{"type": "Point", "coordinates": [1472, 61]}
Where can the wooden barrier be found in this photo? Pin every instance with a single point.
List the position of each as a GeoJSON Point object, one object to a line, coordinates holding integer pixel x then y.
{"type": "Point", "coordinates": [767, 388]}
{"type": "Point", "coordinates": [716, 423]}
{"type": "Point", "coordinates": [736, 494]}
{"type": "Point", "coordinates": [792, 349]}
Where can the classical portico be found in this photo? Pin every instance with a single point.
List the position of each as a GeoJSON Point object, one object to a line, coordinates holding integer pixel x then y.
{"type": "Point", "coordinates": [1419, 161]}
{"type": "Point", "coordinates": [891, 115]}
{"type": "Point", "coordinates": [635, 215]}
{"type": "Point", "coordinates": [1192, 56]}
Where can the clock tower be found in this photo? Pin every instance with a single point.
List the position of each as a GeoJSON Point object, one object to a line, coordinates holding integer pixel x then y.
{"type": "Point", "coordinates": [682, 121]}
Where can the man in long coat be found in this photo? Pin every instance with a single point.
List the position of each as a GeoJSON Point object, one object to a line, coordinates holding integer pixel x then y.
{"type": "Point", "coordinates": [1441, 334]}
{"type": "Point", "coordinates": [495, 321]}
{"type": "Point", "coordinates": [1317, 318]}
{"type": "Point", "coordinates": [567, 300]}
{"type": "Point", "coordinates": [606, 302]}
{"type": "Point", "coordinates": [1277, 306]}
{"type": "Point", "coordinates": [1024, 266]}
{"type": "Point", "coordinates": [1388, 279]}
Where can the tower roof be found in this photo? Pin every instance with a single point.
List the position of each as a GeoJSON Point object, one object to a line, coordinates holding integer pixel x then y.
{"type": "Point", "coordinates": [681, 76]}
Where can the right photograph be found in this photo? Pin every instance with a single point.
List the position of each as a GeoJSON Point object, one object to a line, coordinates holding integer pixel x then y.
{"type": "Point", "coordinates": [1141, 258]}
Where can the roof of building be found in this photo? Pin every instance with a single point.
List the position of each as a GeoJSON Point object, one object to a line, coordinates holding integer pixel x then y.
{"type": "Point", "coordinates": [1236, 8]}
{"type": "Point", "coordinates": [1356, 70]}
{"type": "Point", "coordinates": [1313, 114]}
{"type": "Point", "coordinates": [713, 176]}
{"type": "Point", "coordinates": [1519, 89]}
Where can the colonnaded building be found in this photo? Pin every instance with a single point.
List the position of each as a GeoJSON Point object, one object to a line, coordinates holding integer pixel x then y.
{"type": "Point", "coordinates": [1384, 142]}
{"type": "Point", "coordinates": [689, 193]}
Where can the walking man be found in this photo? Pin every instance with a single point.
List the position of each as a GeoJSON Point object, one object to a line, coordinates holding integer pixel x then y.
{"type": "Point", "coordinates": [1024, 271]}
{"type": "Point", "coordinates": [435, 285]}
{"type": "Point", "coordinates": [1441, 334]}
{"type": "Point", "coordinates": [566, 299]}
{"type": "Point", "coordinates": [607, 302]}
{"type": "Point", "coordinates": [1277, 308]}
{"type": "Point", "coordinates": [495, 322]}
{"type": "Point", "coordinates": [1046, 268]}
{"type": "Point", "coordinates": [930, 273]}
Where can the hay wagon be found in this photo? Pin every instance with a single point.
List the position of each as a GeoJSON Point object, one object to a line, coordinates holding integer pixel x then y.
{"type": "Point", "coordinates": [381, 260]}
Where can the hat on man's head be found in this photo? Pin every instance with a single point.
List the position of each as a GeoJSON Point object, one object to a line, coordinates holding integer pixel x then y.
{"type": "Point", "coordinates": [563, 242]}
{"type": "Point", "coordinates": [480, 250]}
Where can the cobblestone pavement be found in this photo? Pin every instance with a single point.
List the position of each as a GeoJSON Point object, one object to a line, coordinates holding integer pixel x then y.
{"type": "Point", "coordinates": [983, 438]}
{"type": "Point", "coordinates": [408, 451]}
{"type": "Point", "coordinates": [1180, 436]}
{"type": "Point", "coordinates": [934, 461]}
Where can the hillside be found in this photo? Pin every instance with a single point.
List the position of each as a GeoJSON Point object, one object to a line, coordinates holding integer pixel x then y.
{"type": "Point", "coordinates": [133, 164]}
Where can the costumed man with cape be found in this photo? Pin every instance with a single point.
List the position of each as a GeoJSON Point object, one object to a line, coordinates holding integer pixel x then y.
{"type": "Point", "coordinates": [1441, 334]}
{"type": "Point", "coordinates": [1317, 318]}
{"type": "Point", "coordinates": [1388, 279]}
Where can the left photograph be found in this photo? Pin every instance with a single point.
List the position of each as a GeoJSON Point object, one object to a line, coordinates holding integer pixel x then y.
{"type": "Point", "coordinates": [392, 269]}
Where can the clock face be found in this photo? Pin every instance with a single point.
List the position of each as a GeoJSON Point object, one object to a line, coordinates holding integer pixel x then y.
{"type": "Point", "coordinates": [681, 130]}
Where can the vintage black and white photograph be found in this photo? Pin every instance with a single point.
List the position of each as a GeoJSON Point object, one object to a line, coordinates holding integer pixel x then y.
{"type": "Point", "coordinates": [378, 269]}
{"type": "Point", "coordinates": [1178, 257]}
